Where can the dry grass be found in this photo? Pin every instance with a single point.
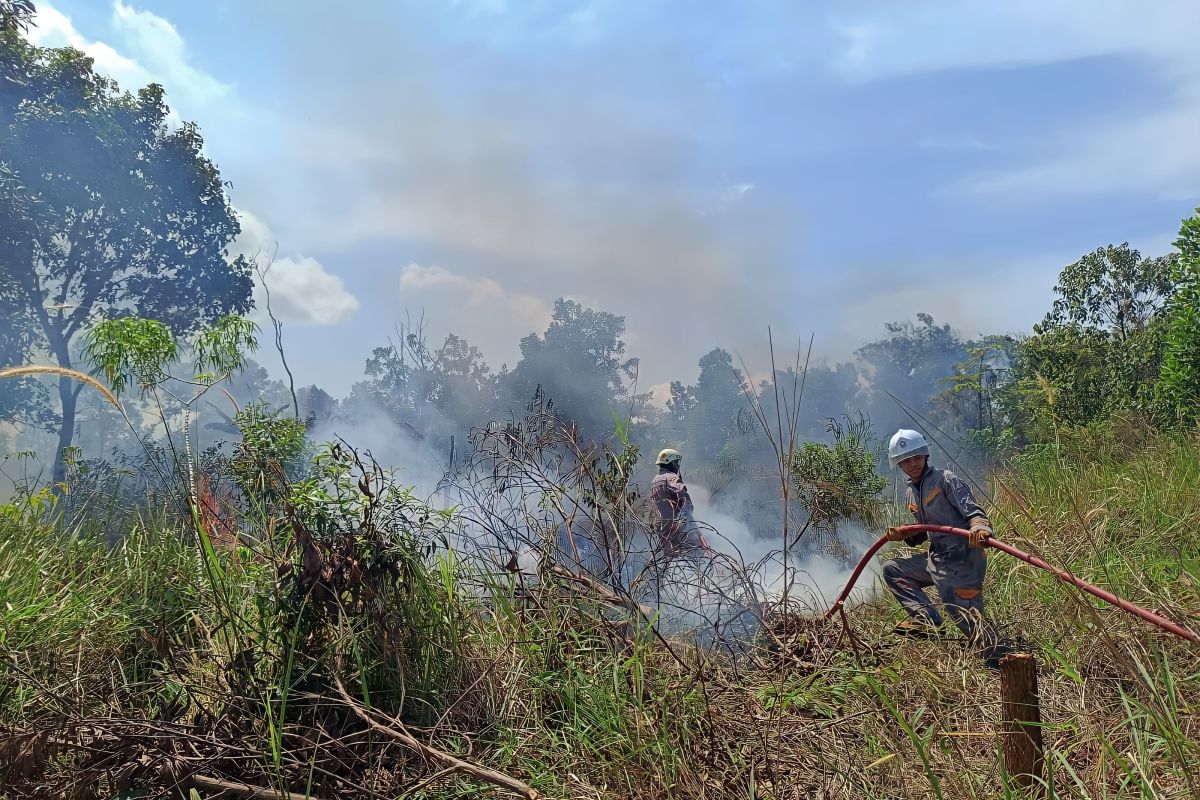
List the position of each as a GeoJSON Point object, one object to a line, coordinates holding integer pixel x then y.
{"type": "Point", "coordinates": [130, 666]}
{"type": "Point", "coordinates": [25, 371]}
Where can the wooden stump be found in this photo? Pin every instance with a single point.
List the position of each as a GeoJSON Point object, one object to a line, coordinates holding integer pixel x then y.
{"type": "Point", "coordinates": [1022, 730]}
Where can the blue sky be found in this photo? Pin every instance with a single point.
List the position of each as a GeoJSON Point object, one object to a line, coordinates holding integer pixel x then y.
{"type": "Point", "coordinates": [704, 169]}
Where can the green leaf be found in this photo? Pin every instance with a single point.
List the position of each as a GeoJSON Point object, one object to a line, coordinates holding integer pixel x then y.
{"type": "Point", "coordinates": [221, 349]}
{"type": "Point", "coordinates": [130, 350]}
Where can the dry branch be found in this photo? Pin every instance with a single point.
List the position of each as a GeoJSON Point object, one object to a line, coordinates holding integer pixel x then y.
{"type": "Point", "coordinates": [395, 731]}
{"type": "Point", "coordinates": [603, 592]}
{"type": "Point", "coordinates": [245, 789]}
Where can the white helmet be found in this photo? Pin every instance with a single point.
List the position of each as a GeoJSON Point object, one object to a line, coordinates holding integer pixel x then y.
{"type": "Point", "coordinates": [906, 443]}
{"type": "Point", "coordinates": [669, 456]}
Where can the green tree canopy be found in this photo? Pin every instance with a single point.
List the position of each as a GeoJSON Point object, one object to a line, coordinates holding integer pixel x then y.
{"type": "Point", "coordinates": [110, 211]}
{"type": "Point", "coordinates": [1112, 289]}
{"type": "Point", "coordinates": [839, 482]}
{"type": "Point", "coordinates": [1179, 388]}
{"type": "Point", "coordinates": [16, 15]}
{"type": "Point", "coordinates": [1100, 348]}
{"type": "Point", "coordinates": [579, 363]}
{"type": "Point", "coordinates": [830, 393]}
{"type": "Point", "coordinates": [911, 363]}
{"type": "Point", "coordinates": [718, 399]}
{"type": "Point", "coordinates": [440, 390]}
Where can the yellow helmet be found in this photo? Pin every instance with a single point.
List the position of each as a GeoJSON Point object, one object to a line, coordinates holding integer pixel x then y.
{"type": "Point", "coordinates": [669, 456]}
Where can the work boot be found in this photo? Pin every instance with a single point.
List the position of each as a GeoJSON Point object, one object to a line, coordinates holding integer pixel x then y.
{"type": "Point", "coordinates": [994, 653]}
{"type": "Point", "coordinates": [917, 627]}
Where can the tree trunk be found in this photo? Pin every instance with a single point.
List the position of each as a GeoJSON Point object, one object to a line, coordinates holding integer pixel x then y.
{"type": "Point", "coordinates": [1022, 731]}
{"type": "Point", "coordinates": [68, 396]}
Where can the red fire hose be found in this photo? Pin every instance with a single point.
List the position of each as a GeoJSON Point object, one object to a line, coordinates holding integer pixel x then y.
{"type": "Point", "coordinates": [1062, 575]}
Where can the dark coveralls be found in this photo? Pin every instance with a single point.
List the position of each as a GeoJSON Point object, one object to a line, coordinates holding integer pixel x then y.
{"type": "Point", "coordinates": [953, 567]}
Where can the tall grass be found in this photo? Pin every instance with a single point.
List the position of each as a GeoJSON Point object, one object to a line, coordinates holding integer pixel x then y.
{"type": "Point", "coordinates": [570, 694]}
{"type": "Point", "coordinates": [1118, 506]}
{"type": "Point", "coordinates": [90, 621]}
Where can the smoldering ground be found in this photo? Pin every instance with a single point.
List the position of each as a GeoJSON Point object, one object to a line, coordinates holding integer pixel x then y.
{"type": "Point", "coordinates": [529, 500]}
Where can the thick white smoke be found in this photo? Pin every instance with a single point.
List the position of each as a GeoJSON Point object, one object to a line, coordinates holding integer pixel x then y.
{"type": "Point", "coordinates": [372, 431]}
{"type": "Point", "coordinates": [816, 579]}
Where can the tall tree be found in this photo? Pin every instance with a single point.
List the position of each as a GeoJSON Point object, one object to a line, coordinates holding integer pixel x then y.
{"type": "Point", "coordinates": [1101, 346]}
{"type": "Point", "coordinates": [1179, 382]}
{"type": "Point", "coordinates": [680, 403]}
{"type": "Point", "coordinates": [316, 404]}
{"type": "Point", "coordinates": [440, 390]}
{"type": "Point", "coordinates": [23, 401]}
{"type": "Point", "coordinates": [125, 214]}
{"type": "Point", "coordinates": [910, 364]}
{"type": "Point", "coordinates": [718, 399]}
{"type": "Point", "coordinates": [830, 393]}
{"type": "Point", "coordinates": [973, 405]}
{"type": "Point", "coordinates": [1112, 289]}
{"type": "Point", "coordinates": [579, 362]}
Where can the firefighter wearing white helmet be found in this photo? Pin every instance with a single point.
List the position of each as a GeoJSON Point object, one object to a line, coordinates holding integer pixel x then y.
{"type": "Point", "coordinates": [668, 456]}
{"type": "Point", "coordinates": [673, 506]}
{"type": "Point", "coordinates": [955, 566]}
{"type": "Point", "coordinates": [905, 444]}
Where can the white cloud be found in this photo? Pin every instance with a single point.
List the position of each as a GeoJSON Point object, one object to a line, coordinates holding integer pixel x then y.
{"type": "Point", "coordinates": [303, 292]}
{"type": "Point", "coordinates": [154, 52]}
{"type": "Point", "coordinates": [481, 294]}
{"type": "Point", "coordinates": [930, 35]}
{"type": "Point", "coordinates": [1155, 154]}
{"type": "Point", "coordinates": [159, 46]}
{"type": "Point", "coordinates": [1106, 154]}
{"type": "Point", "coordinates": [55, 29]}
{"type": "Point", "coordinates": [660, 393]}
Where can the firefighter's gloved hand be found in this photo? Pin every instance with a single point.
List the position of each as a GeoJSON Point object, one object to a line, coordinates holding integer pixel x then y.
{"type": "Point", "coordinates": [895, 535]}
{"type": "Point", "coordinates": [981, 530]}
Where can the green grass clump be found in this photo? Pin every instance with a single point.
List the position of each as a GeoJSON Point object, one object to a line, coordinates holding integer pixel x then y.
{"type": "Point", "coordinates": [180, 658]}
{"type": "Point", "coordinates": [90, 620]}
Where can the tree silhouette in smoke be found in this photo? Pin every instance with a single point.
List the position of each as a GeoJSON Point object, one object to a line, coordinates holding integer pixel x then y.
{"type": "Point", "coordinates": [579, 363]}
